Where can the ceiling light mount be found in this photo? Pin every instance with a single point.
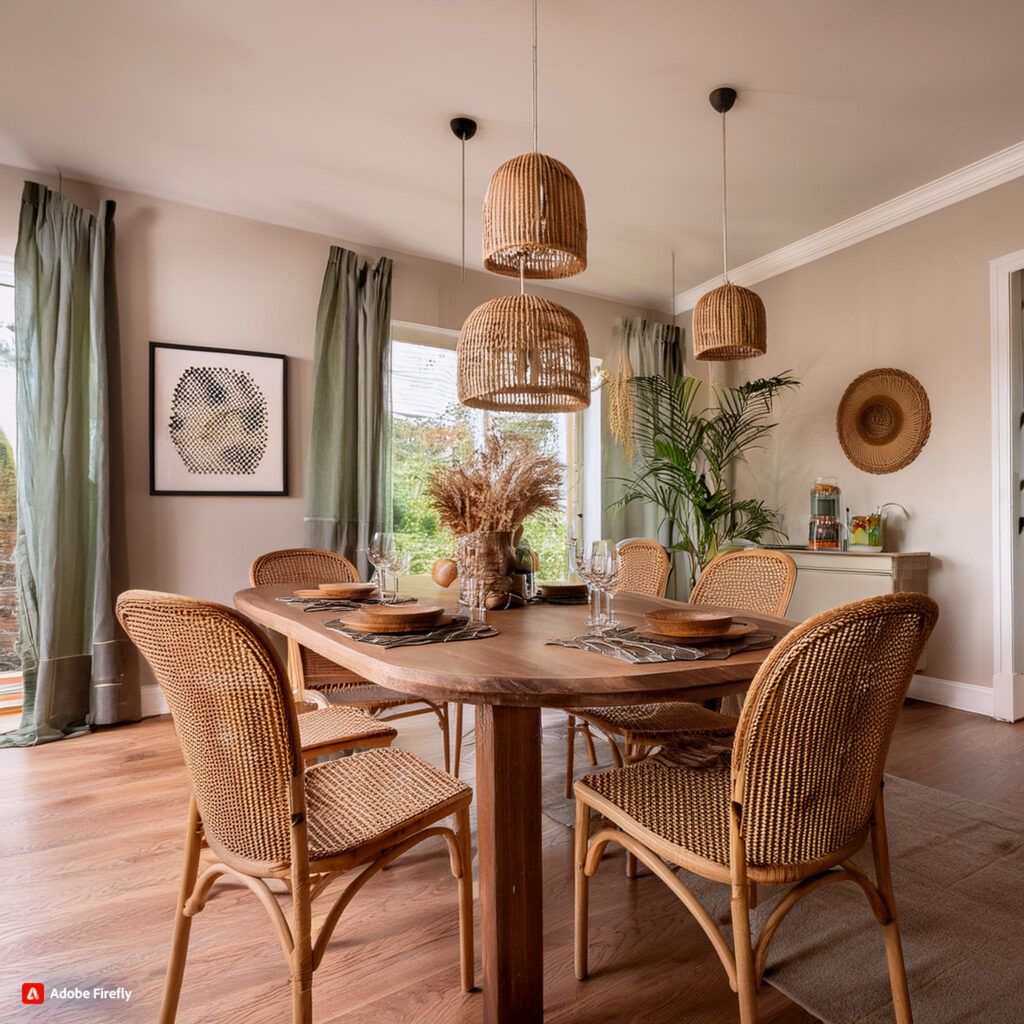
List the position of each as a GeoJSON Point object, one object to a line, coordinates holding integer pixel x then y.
{"type": "Point", "coordinates": [463, 128]}
{"type": "Point", "coordinates": [722, 98]}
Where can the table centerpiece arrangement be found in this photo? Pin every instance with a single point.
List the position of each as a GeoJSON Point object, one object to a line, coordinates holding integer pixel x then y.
{"type": "Point", "coordinates": [483, 500]}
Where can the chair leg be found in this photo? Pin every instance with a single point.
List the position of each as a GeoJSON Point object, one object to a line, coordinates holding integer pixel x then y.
{"type": "Point", "coordinates": [570, 756]}
{"type": "Point", "coordinates": [589, 739]}
{"type": "Point", "coordinates": [465, 899]}
{"type": "Point", "coordinates": [443, 721]}
{"type": "Point", "coordinates": [302, 952]}
{"type": "Point", "coordinates": [458, 739]}
{"type": "Point", "coordinates": [581, 840]}
{"type": "Point", "coordinates": [893, 944]}
{"type": "Point", "coordinates": [746, 984]}
{"type": "Point", "coordinates": [182, 924]}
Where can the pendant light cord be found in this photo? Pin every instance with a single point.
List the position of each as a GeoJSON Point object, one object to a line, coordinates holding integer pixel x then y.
{"type": "Point", "coordinates": [463, 207]}
{"type": "Point", "coordinates": [725, 213]}
{"type": "Point", "coordinates": [535, 76]}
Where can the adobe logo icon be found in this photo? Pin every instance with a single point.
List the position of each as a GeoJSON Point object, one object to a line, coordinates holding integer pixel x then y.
{"type": "Point", "coordinates": [32, 992]}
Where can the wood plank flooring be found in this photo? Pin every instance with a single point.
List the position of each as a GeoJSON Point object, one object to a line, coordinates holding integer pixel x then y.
{"type": "Point", "coordinates": [91, 842]}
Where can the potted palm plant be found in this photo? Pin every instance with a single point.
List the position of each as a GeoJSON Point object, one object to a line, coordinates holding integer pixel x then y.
{"type": "Point", "coordinates": [685, 454]}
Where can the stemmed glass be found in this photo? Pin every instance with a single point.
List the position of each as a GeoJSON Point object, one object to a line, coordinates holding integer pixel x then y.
{"type": "Point", "coordinates": [585, 569]}
{"type": "Point", "coordinates": [380, 553]}
{"type": "Point", "coordinates": [605, 569]}
{"type": "Point", "coordinates": [399, 566]}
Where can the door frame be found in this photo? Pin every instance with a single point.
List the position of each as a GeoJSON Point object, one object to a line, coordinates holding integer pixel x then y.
{"type": "Point", "coordinates": [1007, 375]}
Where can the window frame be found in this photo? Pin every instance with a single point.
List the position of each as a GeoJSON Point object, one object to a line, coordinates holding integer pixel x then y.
{"type": "Point", "coordinates": [7, 280]}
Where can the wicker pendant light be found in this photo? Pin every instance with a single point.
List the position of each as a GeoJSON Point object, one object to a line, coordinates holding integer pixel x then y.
{"type": "Point", "coordinates": [522, 353]}
{"type": "Point", "coordinates": [534, 217]}
{"type": "Point", "coordinates": [729, 321]}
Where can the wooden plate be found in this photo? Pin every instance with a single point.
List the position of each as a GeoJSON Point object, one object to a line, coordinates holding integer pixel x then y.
{"type": "Point", "coordinates": [686, 623]}
{"type": "Point", "coordinates": [563, 589]}
{"type": "Point", "coordinates": [318, 594]}
{"type": "Point", "coordinates": [349, 590]}
{"type": "Point", "coordinates": [734, 632]}
{"type": "Point", "coordinates": [399, 615]}
{"type": "Point", "coordinates": [357, 622]}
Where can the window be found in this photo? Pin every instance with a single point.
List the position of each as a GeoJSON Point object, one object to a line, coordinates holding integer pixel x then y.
{"type": "Point", "coordinates": [9, 663]}
{"type": "Point", "coordinates": [429, 426]}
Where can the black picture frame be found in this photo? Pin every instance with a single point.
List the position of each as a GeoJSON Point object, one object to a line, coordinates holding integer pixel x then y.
{"type": "Point", "coordinates": [277, 365]}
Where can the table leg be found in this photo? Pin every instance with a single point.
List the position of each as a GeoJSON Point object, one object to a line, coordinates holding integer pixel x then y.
{"type": "Point", "coordinates": [508, 796]}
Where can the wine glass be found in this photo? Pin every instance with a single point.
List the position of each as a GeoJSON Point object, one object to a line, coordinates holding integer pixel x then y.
{"type": "Point", "coordinates": [605, 562]}
{"type": "Point", "coordinates": [586, 570]}
{"type": "Point", "coordinates": [399, 565]}
{"type": "Point", "coordinates": [379, 553]}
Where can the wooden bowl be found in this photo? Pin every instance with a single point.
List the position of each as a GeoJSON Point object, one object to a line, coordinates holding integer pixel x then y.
{"type": "Point", "coordinates": [402, 615]}
{"type": "Point", "coordinates": [361, 624]}
{"type": "Point", "coordinates": [315, 595]}
{"type": "Point", "coordinates": [677, 622]}
{"type": "Point", "coordinates": [350, 590]}
{"type": "Point", "coordinates": [563, 589]}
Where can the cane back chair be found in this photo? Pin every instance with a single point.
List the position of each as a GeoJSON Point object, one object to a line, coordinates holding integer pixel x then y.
{"type": "Point", "coordinates": [643, 569]}
{"type": "Point", "coordinates": [800, 794]}
{"type": "Point", "coordinates": [259, 812]}
{"type": "Point", "coordinates": [309, 671]}
{"type": "Point", "coordinates": [752, 580]}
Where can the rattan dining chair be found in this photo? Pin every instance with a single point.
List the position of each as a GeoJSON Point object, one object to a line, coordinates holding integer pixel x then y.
{"type": "Point", "coordinates": [801, 794]}
{"type": "Point", "coordinates": [309, 671]}
{"type": "Point", "coordinates": [751, 580]}
{"type": "Point", "coordinates": [643, 569]}
{"type": "Point", "coordinates": [260, 813]}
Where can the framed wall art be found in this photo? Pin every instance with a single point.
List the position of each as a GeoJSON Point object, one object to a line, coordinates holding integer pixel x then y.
{"type": "Point", "coordinates": [218, 421]}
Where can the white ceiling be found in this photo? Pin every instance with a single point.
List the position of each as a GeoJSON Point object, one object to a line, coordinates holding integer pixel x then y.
{"type": "Point", "coordinates": [333, 116]}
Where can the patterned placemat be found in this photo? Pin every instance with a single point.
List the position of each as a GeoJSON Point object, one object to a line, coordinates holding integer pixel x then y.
{"type": "Point", "coordinates": [459, 629]}
{"type": "Point", "coordinates": [624, 643]}
{"type": "Point", "coordinates": [339, 604]}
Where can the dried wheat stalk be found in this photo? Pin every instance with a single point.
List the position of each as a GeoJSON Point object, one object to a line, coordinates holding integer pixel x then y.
{"type": "Point", "coordinates": [505, 481]}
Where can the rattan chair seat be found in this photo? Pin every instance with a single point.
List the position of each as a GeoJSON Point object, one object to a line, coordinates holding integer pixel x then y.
{"type": "Point", "coordinates": [358, 800]}
{"type": "Point", "coordinates": [340, 724]}
{"type": "Point", "coordinates": [369, 696]}
{"type": "Point", "coordinates": [650, 723]}
{"type": "Point", "coordinates": [686, 807]}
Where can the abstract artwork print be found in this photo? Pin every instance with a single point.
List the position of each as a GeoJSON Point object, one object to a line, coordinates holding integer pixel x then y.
{"type": "Point", "coordinates": [218, 420]}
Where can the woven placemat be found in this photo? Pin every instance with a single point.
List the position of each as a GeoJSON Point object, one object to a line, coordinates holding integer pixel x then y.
{"type": "Point", "coordinates": [624, 643]}
{"type": "Point", "coordinates": [459, 629]}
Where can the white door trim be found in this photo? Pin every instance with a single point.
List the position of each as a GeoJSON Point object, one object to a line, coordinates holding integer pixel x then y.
{"type": "Point", "coordinates": [1007, 681]}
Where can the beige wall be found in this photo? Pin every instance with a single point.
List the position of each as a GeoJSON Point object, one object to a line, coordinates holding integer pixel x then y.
{"type": "Point", "coordinates": [193, 276]}
{"type": "Point", "coordinates": [916, 298]}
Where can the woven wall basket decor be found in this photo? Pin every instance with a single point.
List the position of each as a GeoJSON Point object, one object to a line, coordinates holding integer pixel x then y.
{"type": "Point", "coordinates": [534, 216]}
{"type": "Point", "coordinates": [729, 323]}
{"type": "Point", "coordinates": [522, 353]}
{"type": "Point", "coordinates": [883, 420]}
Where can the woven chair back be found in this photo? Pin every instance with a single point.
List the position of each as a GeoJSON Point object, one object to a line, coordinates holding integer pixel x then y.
{"type": "Point", "coordinates": [306, 567]}
{"type": "Point", "coordinates": [816, 725]}
{"type": "Point", "coordinates": [234, 714]}
{"type": "Point", "coordinates": [643, 568]}
{"type": "Point", "coordinates": [309, 566]}
{"type": "Point", "coordinates": [754, 580]}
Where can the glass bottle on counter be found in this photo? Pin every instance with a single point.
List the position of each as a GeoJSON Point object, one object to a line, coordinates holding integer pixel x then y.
{"type": "Point", "coordinates": [825, 530]}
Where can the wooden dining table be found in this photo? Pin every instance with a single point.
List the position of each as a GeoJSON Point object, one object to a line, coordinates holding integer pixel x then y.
{"type": "Point", "coordinates": [509, 678]}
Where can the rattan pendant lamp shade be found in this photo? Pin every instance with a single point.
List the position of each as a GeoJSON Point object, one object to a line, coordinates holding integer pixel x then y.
{"type": "Point", "coordinates": [729, 321]}
{"type": "Point", "coordinates": [523, 353]}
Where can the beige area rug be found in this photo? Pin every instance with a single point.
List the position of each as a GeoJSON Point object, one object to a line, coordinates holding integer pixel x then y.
{"type": "Point", "coordinates": [958, 872]}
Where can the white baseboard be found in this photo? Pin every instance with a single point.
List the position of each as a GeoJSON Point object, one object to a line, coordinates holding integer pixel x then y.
{"type": "Point", "coordinates": [153, 702]}
{"type": "Point", "coordinates": [979, 700]}
{"type": "Point", "coordinates": [1008, 690]}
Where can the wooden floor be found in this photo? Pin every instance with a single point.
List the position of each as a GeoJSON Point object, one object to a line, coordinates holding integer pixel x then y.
{"type": "Point", "coordinates": [90, 847]}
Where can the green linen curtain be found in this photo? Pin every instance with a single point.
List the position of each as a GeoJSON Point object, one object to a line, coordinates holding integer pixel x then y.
{"type": "Point", "coordinates": [642, 348]}
{"type": "Point", "coordinates": [65, 332]}
{"type": "Point", "coordinates": [348, 475]}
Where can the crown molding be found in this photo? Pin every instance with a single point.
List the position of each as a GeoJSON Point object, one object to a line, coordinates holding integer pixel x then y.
{"type": "Point", "coordinates": [980, 176]}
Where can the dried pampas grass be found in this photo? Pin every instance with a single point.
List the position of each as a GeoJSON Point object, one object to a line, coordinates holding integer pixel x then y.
{"type": "Point", "coordinates": [505, 481]}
